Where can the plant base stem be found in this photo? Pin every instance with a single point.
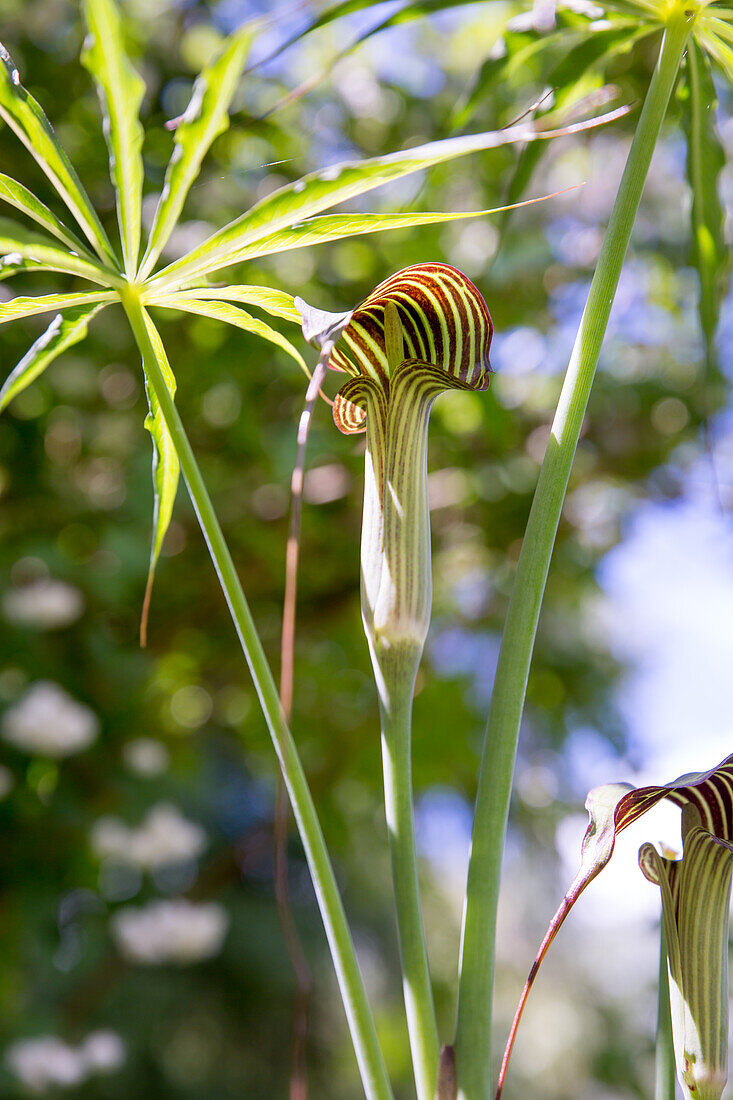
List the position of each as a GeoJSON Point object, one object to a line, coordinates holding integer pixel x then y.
{"type": "Point", "coordinates": [418, 994]}
{"type": "Point", "coordinates": [665, 1073]}
{"type": "Point", "coordinates": [473, 1037]}
{"type": "Point", "coordinates": [361, 1024]}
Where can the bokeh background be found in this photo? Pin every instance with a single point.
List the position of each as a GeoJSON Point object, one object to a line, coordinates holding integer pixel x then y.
{"type": "Point", "coordinates": [141, 952]}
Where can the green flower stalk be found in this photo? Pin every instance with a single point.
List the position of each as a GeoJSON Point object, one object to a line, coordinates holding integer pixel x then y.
{"type": "Point", "coordinates": [425, 330]}
{"type": "Point", "coordinates": [695, 916]}
{"type": "Point", "coordinates": [695, 904]}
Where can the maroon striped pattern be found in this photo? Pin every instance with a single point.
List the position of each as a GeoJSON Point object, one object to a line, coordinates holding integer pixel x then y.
{"type": "Point", "coordinates": [445, 323]}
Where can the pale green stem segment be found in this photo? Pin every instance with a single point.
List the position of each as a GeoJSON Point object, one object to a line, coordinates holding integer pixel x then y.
{"type": "Point", "coordinates": [396, 600]}
{"type": "Point", "coordinates": [473, 1037]}
{"type": "Point", "coordinates": [665, 1075]}
{"type": "Point", "coordinates": [361, 1023]}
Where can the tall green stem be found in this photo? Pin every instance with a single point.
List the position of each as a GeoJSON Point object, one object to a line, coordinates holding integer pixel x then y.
{"type": "Point", "coordinates": [396, 729]}
{"type": "Point", "coordinates": [361, 1024]}
{"type": "Point", "coordinates": [473, 1037]}
{"type": "Point", "coordinates": [665, 1075]}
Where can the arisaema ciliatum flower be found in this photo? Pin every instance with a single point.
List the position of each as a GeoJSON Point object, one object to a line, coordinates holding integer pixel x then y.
{"type": "Point", "coordinates": [695, 894]}
{"type": "Point", "coordinates": [424, 330]}
{"type": "Point", "coordinates": [695, 909]}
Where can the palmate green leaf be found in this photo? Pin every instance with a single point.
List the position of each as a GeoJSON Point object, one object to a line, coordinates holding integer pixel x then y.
{"type": "Point", "coordinates": [166, 468]}
{"type": "Point", "coordinates": [275, 302]}
{"type": "Point", "coordinates": [334, 227]}
{"type": "Point", "coordinates": [15, 194]}
{"type": "Point", "coordinates": [705, 160]}
{"type": "Point", "coordinates": [231, 315]}
{"type": "Point", "coordinates": [26, 118]}
{"type": "Point", "coordinates": [21, 242]}
{"type": "Point", "coordinates": [327, 188]}
{"type": "Point", "coordinates": [121, 91]}
{"type": "Point", "coordinates": [205, 118]}
{"type": "Point", "coordinates": [27, 307]}
{"type": "Point", "coordinates": [65, 330]}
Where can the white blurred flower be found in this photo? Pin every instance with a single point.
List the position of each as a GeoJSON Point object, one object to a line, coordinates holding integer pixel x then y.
{"type": "Point", "coordinates": [146, 757]}
{"type": "Point", "coordinates": [47, 1062]}
{"type": "Point", "coordinates": [177, 931]}
{"type": "Point", "coordinates": [49, 722]}
{"type": "Point", "coordinates": [44, 603]}
{"type": "Point", "coordinates": [103, 1051]}
{"type": "Point", "coordinates": [7, 781]}
{"type": "Point", "coordinates": [165, 837]}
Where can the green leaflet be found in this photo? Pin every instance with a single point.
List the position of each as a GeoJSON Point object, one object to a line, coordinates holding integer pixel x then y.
{"type": "Point", "coordinates": [333, 227]}
{"type": "Point", "coordinates": [65, 329]}
{"type": "Point", "coordinates": [24, 200]}
{"type": "Point", "coordinates": [14, 264]}
{"type": "Point", "coordinates": [121, 91]}
{"type": "Point", "coordinates": [166, 468]}
{"type": "Point", "coordinates": [276, 302]}
{"type": "Point", "coordinates": [26, 307]}
{"type": "Point", "coordinates": [321, 190]}
{"type": "Point", "coordinates": [232, 315]}
{"type": "Point", "coordinates": [25, 117]}
{"type": "Point", "coordinates": [21, 242]}
{"type": "Point", "coordinates": [718, 49]}
{"type": "Point", "coordinates": [705, 159]}
{"type": "Point", "coordinates": [206, 116]}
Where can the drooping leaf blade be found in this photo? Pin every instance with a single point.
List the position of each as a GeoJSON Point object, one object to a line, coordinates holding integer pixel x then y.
{"type": "Point", "coordinates": [27, 307]}
{"type": "Point", "coordinates": [18, 240]}
{"type": "Point", "coordinates": [26, 118]}
{"type": "Point", "coordinates": [15, 194]}
{"type": "Point", "coordinates": [121, 90]}
{"type": "Point", "coordinates": [275, 302]}
{"type": "Point", "coordinates": [231, 315]}
{"type": "Point", "coordinates": [322, 190]}
{"type": "Point", "coordinates": [705, 160]}
{"type": "Point", "coordinates": [205, 118]}
{"type": "Point", "coordinates": [166, 468]}
{"type": "Point", "coordinates": [65, 330]}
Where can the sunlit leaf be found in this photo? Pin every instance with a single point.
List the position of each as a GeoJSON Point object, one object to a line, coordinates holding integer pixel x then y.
{"type": "Point", "coordinates": [231, 315]}
{"type": "Point", "coordinates": [705, 160]}
{"type": "Point", "coordinates": [65, 329]}
{"type": "Point", "coordinates": [166, 468]}
{"type": "Point", "coordinates": [25, 117]}
{"type": "Point", "coordinates": [46, 303]}
{"type": "Point", "coordinates": [27, 245]}
{"type": "Point", "coordinates": [275, 302]}
{"type": "Point", "coordinates": [206, 116]}
{"type": "Point", "coordinates": [327, 188]}
{"type": "Point", "coordinates": [14, 264]}
{"type": "Point", "coordinates": [15, 194]}
{"type": "Point", "coordinates": [121, 91]}
{"type": "Point", "coordinates": [334, 227]}
{"type": "Point", "coordinates": [718, 49]}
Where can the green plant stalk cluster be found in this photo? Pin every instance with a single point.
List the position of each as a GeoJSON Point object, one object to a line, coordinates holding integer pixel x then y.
{"type": "Point", "coordinates": [473, 1034]}
{"type": "Point", "coordinates": [361, 1023]}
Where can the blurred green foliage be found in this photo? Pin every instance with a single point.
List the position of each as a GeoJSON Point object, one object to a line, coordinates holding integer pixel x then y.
{"type": "Point", "coordinates": [76, 506]}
